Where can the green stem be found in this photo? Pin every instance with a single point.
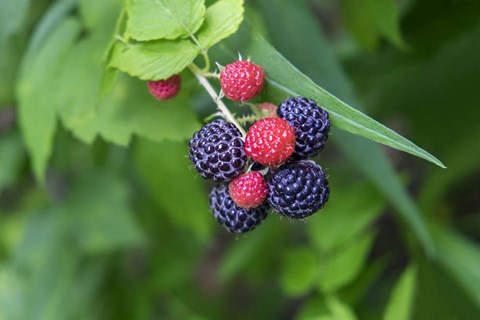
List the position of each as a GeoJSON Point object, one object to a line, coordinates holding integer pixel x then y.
{"type": "Point", "coordinates": [220, 105]}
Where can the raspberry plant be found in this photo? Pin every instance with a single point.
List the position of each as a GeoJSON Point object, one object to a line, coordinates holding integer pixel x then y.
{"type": "Point", "coordinates": [125, 180]}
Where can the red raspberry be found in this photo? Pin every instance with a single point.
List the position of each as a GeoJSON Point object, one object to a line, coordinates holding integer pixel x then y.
{"type": "Point", "coordinates": [248, 190]}
{"type": "Point", "coordinates": [242, 80]}
{"type": "Point", "coordinates": [268, 109]}
{"type": "Point", "coordinates": [165, 89]}
{"type": "Point", "coordinates": [270, 141]}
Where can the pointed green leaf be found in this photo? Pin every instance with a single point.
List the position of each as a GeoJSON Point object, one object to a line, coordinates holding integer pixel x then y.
{"type": "Point", "coordinates": [222, 19]}
{"type": "Point", "coordinates": [155, 60]}
{"type": "Point", "coordinates": [401, 299]}
{"type": "Point", "coordinates": [164, 19]}
{"type": "Point", "coordinates": [37, 82]}
{"type": "Point", "coordinates": [284, 76]}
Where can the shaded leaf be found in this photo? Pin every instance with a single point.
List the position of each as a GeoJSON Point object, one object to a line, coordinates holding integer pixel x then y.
{"type": "Point", "coordinates": [360, 21]}
{"type": "Point", "coordinates": [11, 158]}
{"type": "Point", "coordinates": [164, 19]}
{"type": "Point", "coordinates": [356, 207]}
{"type": "Point", "coordinates": [155, 60]}
{"type": "Point", "coordinates": [36, 109]}
{"type": "Point", "coordinates": [329, 308]}
{"type": "Point", "coordinates": [402, 297]}
{"type": "Point", "coordinates": [167, 173]}
{"type": "Point", "coordinates": [101, 214]}
{"type": "Point", "coordinates": [221, 20]}
{"type": "Point", "coordinates": [386, 16]}
{"type": "Point", "coordinates": [292, 280]}
{"type": "Point", "coordinates": [12, 17]}
{"type": "Point", "coordinates": [340, 266]}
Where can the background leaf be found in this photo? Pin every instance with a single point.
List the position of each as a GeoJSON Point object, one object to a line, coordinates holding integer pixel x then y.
{"type": "Point", "coordinates": [164, 19]}
{"type": "Point", "coordinates": [37, 115]}
{"type": "Point", "coordinates": [401, 299]}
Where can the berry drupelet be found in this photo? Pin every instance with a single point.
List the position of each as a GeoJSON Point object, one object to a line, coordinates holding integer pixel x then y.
{"type": "Point", "coordinates": [298, 189]}
{"type": "Point", "coordinates": [217, 151]}
{"type": "Point", "coordinates": [231, 216]}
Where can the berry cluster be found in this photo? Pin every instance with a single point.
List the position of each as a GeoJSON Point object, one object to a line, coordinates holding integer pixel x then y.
{"type": "Point", "coordinates": [268, 168]}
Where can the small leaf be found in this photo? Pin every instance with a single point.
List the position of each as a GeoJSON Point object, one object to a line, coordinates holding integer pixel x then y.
{"type": "Point", "coordinates": [284, 76]}
{"type": "Point", "coordinates": [222, 19]}
{"type": "Point", "coordinates": [339, 267]}
{"type": "Point", "coordinates": [37, 82]}
{"type": "Point", "coordinates": [401, 299]}
{"type": "Point", "coordinates": [164, 19]}
{"type": "Point", "coordinates": [293, 282]}
{"type": "Point", "coordinates": [155, 60]}
{"type": "Point", "coordinates": [359, 21]}
{"type": "Point", "coordinates": [328, 308]}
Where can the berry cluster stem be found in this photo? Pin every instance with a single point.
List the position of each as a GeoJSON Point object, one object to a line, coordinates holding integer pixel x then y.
{"type": "Point", "coordinates": [211, 91]}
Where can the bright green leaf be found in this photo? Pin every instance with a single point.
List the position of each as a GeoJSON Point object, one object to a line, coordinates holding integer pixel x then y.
{"type": "Point", "coordinates": [286, 77]}
{"type": "Point", "coordinates": [401, 299]}
{"type": "Point", "coordinates": [37, 82]}
{"type": "Point", "coordinates": [355, 207]}
{"type": "Point", "coordinates": [174, 185]}
{"type": "Point", "coordinates": [294, 282]}
{"type": "Point", "coordinates": [164, 19]}
{"type": "Point", "coordinates": [222, 19]}
{"type": "Point", "coordinates": [155, 60]}
{"type": "Point", "coordinates": [340, 266]}
{"type": "Point", "coordinates": [126, 110]}
{"type": "Point", "coordinates": [328, 308]}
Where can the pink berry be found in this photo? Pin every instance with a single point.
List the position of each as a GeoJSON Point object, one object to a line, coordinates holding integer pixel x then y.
{"type": "Point", "coordinates": [165, 89]}
{"type": "Point", "coordinates": [248, 190]}
{"type": "Point", "coordinates": [242, 80]}
{"type": "Point", "coordinates": [270, 141]}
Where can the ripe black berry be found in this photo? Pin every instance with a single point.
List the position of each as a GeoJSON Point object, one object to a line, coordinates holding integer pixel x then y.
{"type": "Point", "coordinates": [217, 151]}
{"type": "Point", "coordinates": [311, 125]}
{"type": "Point", "coordinates": [298, 189]}
{"type": "Point", "coordinates": [232, 217]}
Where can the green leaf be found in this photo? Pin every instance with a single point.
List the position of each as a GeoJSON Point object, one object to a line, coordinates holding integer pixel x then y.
{"type": "Point", "coordinates": [401, 299]}
{"type": "Point", "coordinates": [126, 110]}
{"type": "Point", "coordinates": [37, 82]}
{"type": "Point", "coordinates": [95, 13]}
{"type": "Point", "coordinates": [296, 283]}
{"type": "Point", "coordinates": [222, 19]}
{"type": "Point", "coordinates": [174, 186]}
{"type": "Point", "coordinates": [328, 308]}
{"type": "Point", "coordinates": [356, 206]}
{"type": "Point", "coordinates": [340, 266]}
{"type": "Point", "coordinates": [461, 258]}
{"type": "Point", "coordinates": [155, 60]}
{"type": "Point", "coordinates": [99, 210]}
{"type": "Point", "coordinates": [386, 17]}
{"type": "Point", "coordinates": [12, 293]}
{"type": "Point", "coordinates": [284, 76]}
{"type": "Point", "coordinates": [12, 17]}
{"type": "Point", "coordinates": [164, 19]}
{"type": "Point", "coordinates": [360, 22]}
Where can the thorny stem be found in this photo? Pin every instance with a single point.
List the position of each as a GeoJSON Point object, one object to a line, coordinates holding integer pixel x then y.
{"type": "Point", "coordinates": [220, 105]}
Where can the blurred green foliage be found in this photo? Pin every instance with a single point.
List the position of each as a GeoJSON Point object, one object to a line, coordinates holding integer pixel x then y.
{"type": "Point", "coordinates": [120, 227]}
